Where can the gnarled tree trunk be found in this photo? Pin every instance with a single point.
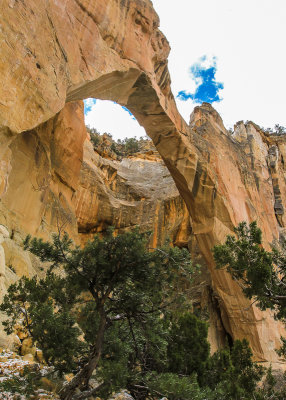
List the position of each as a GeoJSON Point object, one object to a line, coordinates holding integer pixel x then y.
{"type": "Point", "coordinates": [81, 379]}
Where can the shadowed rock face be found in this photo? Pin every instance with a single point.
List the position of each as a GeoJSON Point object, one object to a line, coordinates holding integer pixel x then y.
{"type": "Point", "coordinates": [136, 191]}
{"type": "Point", "coordinates": [59, 51]}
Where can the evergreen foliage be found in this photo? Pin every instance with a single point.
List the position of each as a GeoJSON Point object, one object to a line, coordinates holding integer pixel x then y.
{"type": "Point", "coordinates": [233, 373]}
{"type": "Point", "coordinates": [188, 349]}
{"type": "Point", "coordinates": [121, 147]}
{"type": "Point", "coordinates": [131, 145]}
{"type": "Point", "coordinates": [127, 146]}
{"type": "Point", "coordinates": [113, 282]}
{"type": "Point", "coordinates": [260, 273]}
{"type": "Point", "coordinates": [176, 387]}
{"type": "Point", "coordinates": [118, 313]}
{"type": "Point", "coordinates": [277, 130]}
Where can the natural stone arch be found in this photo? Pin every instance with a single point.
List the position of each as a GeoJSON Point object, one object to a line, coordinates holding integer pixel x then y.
{"type": "Point", "coordinates": [134, 90]}
{"type": "Point", "coordinates": [197, 183]}
{"type": "Point", "coordinates": [57, 51]}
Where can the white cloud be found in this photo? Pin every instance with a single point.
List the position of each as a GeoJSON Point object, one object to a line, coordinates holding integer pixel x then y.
{"type": "Point", "coordinates": [107, 116]}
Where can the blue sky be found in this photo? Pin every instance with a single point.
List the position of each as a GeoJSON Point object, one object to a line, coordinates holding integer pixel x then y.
{"type": "Point", "coordinates": [88, 105]}
{"type": "Point", "coordinates": [230, 53]}
{"type": "Point", "coordinates": [204, 76]}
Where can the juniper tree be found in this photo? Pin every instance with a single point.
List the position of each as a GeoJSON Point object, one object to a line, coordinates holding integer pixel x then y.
{"type": "Point", "coordinates": [121, 310]}
{"type": "Point", "coordinates": [232, 374]}
{"type": "Point", "coordinates": [260, 273]}
{"type": "Point", "coordinates": [112, 288]}
{"type": "Point", "coordinates": [188, 349]}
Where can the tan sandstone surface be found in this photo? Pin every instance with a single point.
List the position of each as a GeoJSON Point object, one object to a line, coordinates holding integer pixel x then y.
{"type": "Point", "coordinates": [60, 51]}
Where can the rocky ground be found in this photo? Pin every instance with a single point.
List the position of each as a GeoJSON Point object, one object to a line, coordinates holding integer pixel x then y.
{"type": "Point", "coordinates": [12, 368]}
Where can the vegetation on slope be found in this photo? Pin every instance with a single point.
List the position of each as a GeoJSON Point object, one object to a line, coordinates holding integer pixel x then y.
{"type": "Point", "coordinates": [115, 315]}
{"type": "Point", "coordinates": [120, 148]}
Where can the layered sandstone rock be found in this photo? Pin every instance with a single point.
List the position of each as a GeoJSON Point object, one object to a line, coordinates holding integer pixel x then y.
{"type": "Point", "coordinates": [134, 191]}
{"type": "Point", "coordinates": [58, 51]}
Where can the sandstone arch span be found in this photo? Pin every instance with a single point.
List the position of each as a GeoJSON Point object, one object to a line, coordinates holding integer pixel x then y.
{"type": "Point", "coordinates": [55, 52]}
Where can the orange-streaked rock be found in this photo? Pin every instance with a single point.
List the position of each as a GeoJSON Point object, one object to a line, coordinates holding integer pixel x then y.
{"type": "Point", "coordinates": [134, 191]}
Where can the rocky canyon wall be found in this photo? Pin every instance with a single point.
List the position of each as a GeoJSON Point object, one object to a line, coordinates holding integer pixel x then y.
{"type": "Point", "coordinates": [57, 180]}
{"type": "Point", "coordinates": [56, 52]}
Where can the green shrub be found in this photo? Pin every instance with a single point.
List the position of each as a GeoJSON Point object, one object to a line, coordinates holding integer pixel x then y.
{"type": "Point", "coordinates": [188, 349]}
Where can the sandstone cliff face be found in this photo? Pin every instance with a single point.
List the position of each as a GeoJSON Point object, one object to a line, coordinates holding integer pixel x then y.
{"type": "Point", "coordinates": [59, 51]}
{"type": "Point", "coordinates": [57, 181]}
{"type": "Point", "coordinates": [134, 191]}
{"type": "Point", "coordinates": [241, 162]}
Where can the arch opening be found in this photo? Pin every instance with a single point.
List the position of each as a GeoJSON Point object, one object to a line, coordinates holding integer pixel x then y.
{"type": "Point", "coordinates": [109, 117]}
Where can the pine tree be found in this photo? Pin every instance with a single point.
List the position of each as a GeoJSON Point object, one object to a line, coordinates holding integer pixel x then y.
{"type": "Point", "coordinates": [113, 283]}
{"type": "Point", "coordinates": [260, 273]}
